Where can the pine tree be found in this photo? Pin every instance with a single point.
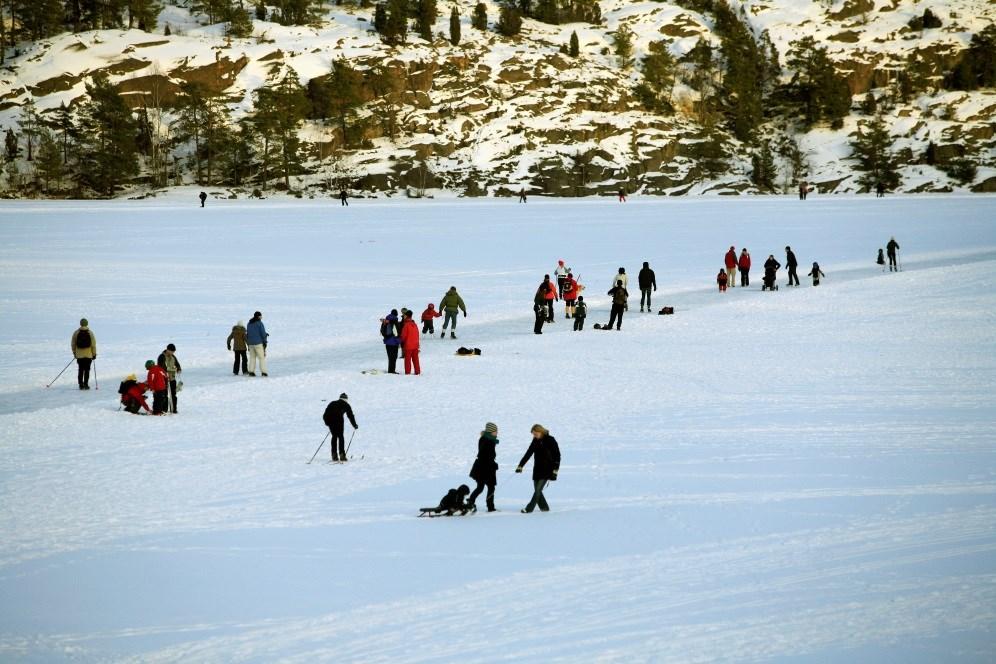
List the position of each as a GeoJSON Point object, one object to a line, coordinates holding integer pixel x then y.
{"type": "Point", "coordinates": [143, 14]}
{"type": "Point", "coordinates": [380, 18]}
{"type": "Point", "coordinates": [823, 93]}
{"type": "Point", "coordinates": [658, 78]}
{"type": "Point", "coordinates": [575, 48]}
{"type": "Point", "coordinates": [37, 19]}
{"type": "Point", "coordinates": [30, 125]}
{"type": "Point", "coordinates": [763, 171]}
{"type": "Point", "coordinates": [873, 150]}
{"type": "Point", "coordinates": [396, 29]}
{"type": "Point", "coordinates": [107, 146]}
{"type": "Point", "coordinates": [479, 20]}
{"type": "Point", "coordinates": [280, 108]}
{"type": "Point", "coordinates": [387, 89]}
{"type": "Point", "coordinates": [67, 128]}
{"type": "Point", "coordinates": [509, 20]}
{"type": "Point", "coordinates": [49, 163]}
{"type": "Point", "coordinates": [216, 11]}
{"type": "Point", "coordinates": [297, 12]}
{"type": "Point", "coordinates": [236, 160]}
{"type": "Point", "coordinates": [239, 23]}
{"type": "Point", "coordinates": [260, 11]}
{"type": "Point", "coordinates": [345, 97]}
{"type": "Point", "coordinates": [10, 145]}
{"type": "Point", "coordinates": [622, 43]}
{"type": "Point", "coordinates": [455, 26]}
{"type": "Point", "coordinates": [425, 18]}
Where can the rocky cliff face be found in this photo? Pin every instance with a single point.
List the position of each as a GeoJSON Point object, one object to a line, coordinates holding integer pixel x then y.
{"type": "Point", "coordinates": [495, 115]}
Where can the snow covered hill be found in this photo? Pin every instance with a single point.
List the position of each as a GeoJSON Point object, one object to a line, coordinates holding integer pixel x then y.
{"type": "Point", "coordinates": [494, 114]}
{"type": "Point", "coordinates": [802, 475]}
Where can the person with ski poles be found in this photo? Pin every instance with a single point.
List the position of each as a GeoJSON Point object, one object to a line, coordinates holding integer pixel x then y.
{"type": "Point", "coordinates": [891, 250]}
{"type": "Point", "coordinates": [646, 279]}
{"type": "Point", "coordinates": [84, 347]}
{"type": "Point", "coordinates": [730, 260]}
{"type": "Point", "coordinates": [485, 468]}
{"type": "Point", "coordinates": [333, 418]}
{"type": "Point", "coordinates": [450, 305]}
{"type": "Point", "coordinates": [545, 452]}
{"type": "Point", "coordinates": [560, 274]}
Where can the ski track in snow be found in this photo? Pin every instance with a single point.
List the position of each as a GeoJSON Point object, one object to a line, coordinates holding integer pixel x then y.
{"type": "Point", "coordinates": [801, 474]}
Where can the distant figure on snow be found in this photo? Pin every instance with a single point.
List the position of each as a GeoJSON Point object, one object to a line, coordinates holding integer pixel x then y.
{"type": "Point", "coordinates": [522, 195]}
{"type": "Point", "coordinates": [236, 343]}
{"type": "Point", "coordinates": [803, 190]}
{"type": "Point", "coordinates": [390, 329]}
{"type": "Point", "coordinates": [560, 273]}
{"type": "Point", "coordinates": [256, 335]}
{"type": "Point", "coordinates": [171, 365]}
{"type": "Point", "coordinates": [619, 297]}
{"type": "Point", "coordinates": [343, 196]}
{"type": "Point", "coordinates": [546, 464]}
{"type": "Point", "coordinates": [157, 382]}
{"type": "Point", "coordinates": [485, 468]}
{"type": "Point", "coordinates": [428, 317]}
{"type": "Point", "coordinates": [333, 418]}
{"type": "Point", "coordinates": [793, 265]}
{"type": "Point", "coordinates": [203, 198]}
{"type": "Point", "coordinates": [647, 280]}
{"type": "Point", "coordinates": [891, 250]}
{"type": "Point", "coordinates": [450, 305]}
{"type": "Point", "coordinates": [580, 313]}
{"type": "Point", "coordinates": [744, 265]}
{"type": "Point", "coordinates": [881, 258]}
{"type": "Point", "coordinates": [409, 338]}
{"type": "Point", "coordinates": [879, 190]}
{"type": "Point", "coordinates": [815, 273]}
{"type": "Point", "coordinates": [84, 347]}
{"type": "Point", "coordinates": [622, 195]}
{"type": "Point", "coordinates": [730, 260]}
{"type": "Point", "coordinates": [722, 279]}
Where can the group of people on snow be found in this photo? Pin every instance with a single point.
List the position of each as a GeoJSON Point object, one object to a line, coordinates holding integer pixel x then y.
{"type": "Point", "coordinates": [402, 333]}
{"type": "Point", "coordinates": [162, 379]}
{"type": "Point", "coordinates": [248, 344]}
{"type": "Point", "coordinates": [727, 276]}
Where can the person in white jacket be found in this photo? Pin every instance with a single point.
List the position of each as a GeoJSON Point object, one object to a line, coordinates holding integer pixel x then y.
{"type": "Point", "coordinates": [560, 273]}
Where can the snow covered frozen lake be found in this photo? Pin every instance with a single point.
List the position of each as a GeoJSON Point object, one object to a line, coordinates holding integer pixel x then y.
{"type": "Point", "coordinates": [804, 475]}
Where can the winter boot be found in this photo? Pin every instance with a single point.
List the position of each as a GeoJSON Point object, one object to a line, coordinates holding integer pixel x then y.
{"type": "Point", "coordinates": [442, 335]}
{"type": "Point", "coordinates": [452, 335]}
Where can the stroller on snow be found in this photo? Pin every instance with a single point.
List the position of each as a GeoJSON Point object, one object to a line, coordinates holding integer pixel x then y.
{"type": "Point", "coordinates": [768, 282]}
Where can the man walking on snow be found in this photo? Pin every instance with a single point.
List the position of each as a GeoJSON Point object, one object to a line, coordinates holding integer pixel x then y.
{"type": "Point", "coordinates": [333, 418]}
{"type": "Point", "coordinates": [793, 265]}
{"type": "Point", "coordinates": [730, 260]}
{"type": "Point", "coordinates": [891, 249]}
{"type": "Point", "coordinates": [646, 278]}
{"type": "Point", "coordinates": [450, 305]}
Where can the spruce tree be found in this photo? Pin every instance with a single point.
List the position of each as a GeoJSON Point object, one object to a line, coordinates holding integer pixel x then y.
{"type": "Point", "coordinates": [239, 23]}
{"type": "Point", "coordinates": [345, 97]}
{"type": "Point", "coordinates": [142, 14]}
{"type": "Point", "coordinates": [873, 151]}
{"type": "Point", "coordinates": [658, 78]}
{"type": "Point", "coordinates": [622, 44]}
{"type": "Point", "coordinates": [49, 162]}
{"type": "Point", "coordinates": [574, 50]}
{"type": "Point", "coordinates": [107, 139]}
{"type": "Point", "coordinates": [425, 18]}
{"type": "Point", "coordinates": [280, 107]}
{"type": "Point", "coordinates": [763, 171]}
{"type": "Point", "coordinates": [380, 18]}
{"type": "Point", "coordinates": [396, 30]}
{"type": "Point", "coordinates": [30, 126]}
{"type": "Point", "coordinates": [10, 145]}
{"type": "Point", "coordinates": [479, 19]}
{"type": "Point", "coordinates": [509, 20]}
{"type": "Point", "coordinates": [454, 26]}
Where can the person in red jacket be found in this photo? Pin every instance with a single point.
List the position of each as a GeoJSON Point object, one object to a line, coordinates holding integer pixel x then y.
{"type": "Point", "coordinates": [427, 316]}
{"type": "Point", "coordinates": [571, 291]}
{"type": "Point", "coordinates": [133, 395]}
{"type": "Point", "coordinates": [721, 279]}
{"type": "Point", "coordinates": [744, 265]}
{"type": "Point", "coordinates": [550, 297]}
{"type": "Point", "coordinates": [731, 266]}
{"type": "Point", "coordinates": [157, 382]}
{"type": "Point", "coordinates": [409, 344]}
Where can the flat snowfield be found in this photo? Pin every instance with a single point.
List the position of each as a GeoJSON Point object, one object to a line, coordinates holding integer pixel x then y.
{"type": "Point", "coordinates": [800, 475]}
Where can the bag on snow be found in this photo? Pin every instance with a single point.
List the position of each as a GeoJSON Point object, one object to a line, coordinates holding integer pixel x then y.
{"type": "Point", "coordinates": [665, 311]}
{"type": "Point", "coordinates": [83, 339]}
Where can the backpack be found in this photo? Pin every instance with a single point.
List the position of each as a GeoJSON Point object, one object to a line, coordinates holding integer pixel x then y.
{"type": "Point", "coordinates": [581, 310]}
{"type": "Point", "coordinates": [83, 339]}
{"type": "Point", "coordinates": [125, 386]}
{"type": "Point", "coordinates": [385, 329]}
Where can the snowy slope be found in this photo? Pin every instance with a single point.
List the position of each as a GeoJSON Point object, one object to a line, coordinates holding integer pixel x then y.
{"type": "Point", "coordinates": [804, 475]}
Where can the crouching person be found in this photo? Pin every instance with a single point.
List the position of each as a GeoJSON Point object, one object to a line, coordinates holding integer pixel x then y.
{"type": "Point", "coordinates": [452, 503]}
{"type": "Point", "coordinates": [133, 394]}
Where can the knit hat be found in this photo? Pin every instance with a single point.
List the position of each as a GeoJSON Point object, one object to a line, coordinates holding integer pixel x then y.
{"type": "Point", "coordinates": [344, 396]}
{"type": "Point", "coordinates": [171, 347]}
{"type": "Point", "coordinates": [241, 324]}
{"type": "Point", "coordinates": [149, 364]}
{"type": "Point", "coordinates": [83, 322]}
{"type": "Point", "coordinates": [257, 314]}
{"type": "Point", "coordinates": [491, 428]}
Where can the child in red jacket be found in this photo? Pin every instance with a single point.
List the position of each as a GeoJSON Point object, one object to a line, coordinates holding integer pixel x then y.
{"type": "Point", "coordinates": [427, 316]}
{"type": "Point", "coordinates": [722, 278]}
{"type": "Point", "coordinates": [157, 382]}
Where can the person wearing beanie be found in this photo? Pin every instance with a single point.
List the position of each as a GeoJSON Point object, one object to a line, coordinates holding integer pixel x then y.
{"type": "Point", "coordinates": [236, 343]}
{"type": "Point", "coordinates": [256, 338]}
{"type": "Point", "coordinates": [560, 274]}
{"type": "Point", "coordinates": [485, 468]}
{"type": "Point", "coordinates": [730, 260]}
{"type": "Point", "coordinates": [333, 418]}
{"type": "Point", "coordinates": [580, 313]}
{"type": "Point", "coordinates": [171, 365]}
{"type": "Point", "coordinates": [427, 319]}
{"type": "Point", "coordinates": [84, 347]}
{"type": "Point", "coordinates": [647, 280]}
{"type": "Point", "coordinates": [389, 330]}
{"type": "Point", "coordinates": [546, 464]}
{"type": "Point", "coordinates": [450, 305]}
{"type": "Point", "coordinates": [157, 382]}
{"type": "Point", "coordinates": [816, 273]}
{"type": "Point", "coordinates": [410, 344]}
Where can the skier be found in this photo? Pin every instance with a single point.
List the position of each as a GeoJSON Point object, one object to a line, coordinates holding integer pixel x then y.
{"type": "Point", "coordinates": [410, 343]}
{"type": "Point", "coordinates": [647, 279]}
{"type": "Point", "coordinates": [881, 258]}
{"type": "Point", "coordinates": [449, 305]}
{"type": "Point", "coordinates": [539, 306]}
{"type": "Point", "coordinates": [133, 394]}
{"type": "Point", "coordinates": [550, 297]}
{"type": "Point", "coordinates": [157, 382]}
{"type": "Point", "coordinates": [389, 329]}
{"type": "Point", "coordinates": [342, 198]}
{"type": "Point", "coordinates": [730, 260]}
{"type": "Point", "coordinates": [560, 273]}
{"type": "Point", "coordinates": [546, 464]}
{"type": "Point", "coordinates": [879, 190]}
{"type": "Point", "coordinates": [744, 265]}
{"type": "Point", "coordinates": [891, 249]}
{"type": "Point", "coordinates": [580, 313]}
{"type": "Point", "coordinates": [771, 267]}
{"type": "Point", "coordinates": [256, 335]}
{"type": "Point", "coordinates": [427, 319]}
{"type": "Point", "coordinates": [570, 292]}
{"type": "Point", "coordinates": [792, 264]}
{"type": "Point", "coordinates": [485, 468]}
{"type": "Point", "coordinates": [721, 279]}
{"type": "Point", "coordinates": [84, 347]}
{"type": "Point", "coordinates": [333, 418]}
{"type": "Point", "coordinates": [522, 195]}
{"type": "Point", "coordinates": [816, 273]}
{"type": "Point", "coordinates": [619, 295]}
{"type": "Point", "coordinates": [167, 360]}
{"type": "Point", "coordinates": [238, 338]}
{"type": "Point", "coordinates": [622, 195]}
{"type": "Point", "coordinates": [203, 198]}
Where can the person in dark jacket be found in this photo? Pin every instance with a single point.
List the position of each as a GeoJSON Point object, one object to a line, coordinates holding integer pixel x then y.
{"type": "Point", "coordinates": [84, 347]}
{"type": "Point", "coordinates": [546, 463]}
{"type": "Point", "coordinates": [171, 365]}
{"type": "Point", "coordinates": [647, 279]}
{"type": "Point", "coordinates": [343, 199]}
{"type": "Point", "coordinates": [744, 265]}
{"type": "Point", "coordinates": [485, 468]}
{"type": "Point", "coordinates": [389, 329]}
{"type": "Point", "coordinates": [203, 198]}
{"type": "Point", "coordinates": [236, 343]}
{"type": "Point", "coordinates": [256, 335]}
{"type": "Point", "coordinates": [619, 296]}
{"type": "Point", "coordinates": [539, 306]}
{"type": "Point", "coordinates": [580, 313]}
{"type": "Point", "coordinates": [770, 272]}
{"type": "Point", "coordinates": [333, 418]}
{"type": "Point", "coordinates": [452, 502]}
{"type": "Point", "coordinates": [816, 273]}
{"type": "Point", "coordinates": [891, 249]}
{"type": "Point", "coordinates": [792, 264]}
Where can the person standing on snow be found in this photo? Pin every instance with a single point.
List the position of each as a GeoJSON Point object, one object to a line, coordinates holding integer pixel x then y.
{"type": "Point", "coordinates": [647, 279]}
{"type": "Point", "coordinates": [167, 360]}
{"type": "Point", "coordinates": [410, 344]}
{"type": "Point", "coordinates": [580, 313]}
{"type": "Point", "coordinates": [771, 267]}
{"type": "Point", "coordinates": [343, 198]}
{"type": "Point", "coordinates": [157, 382]}
{"type": "Point", "coordinates": [891, 249]}
{"type": "Point", "coordinates": [793, 265]}
{"type": "Point", "coordinates": [722, 280]}
{"type": "Point", "coordinates": [236, 343]}
{"type": "Point", "coordinates": [816, 273]}
{"type": "Point", "coordinates": [256, 338]}
{"type": "Point", "coordinates": [203, 198]}
{"type": "Point", "coordinates": [427, 319]}
{"type": "Point", "coordinates": [550, 297]}
{"type": "Point", "coordinates": [619, 297]}
{"type": "Point", "coordinates": [450, 305]}
{"type": "Point", "coordinates": [622, 195]}
{"type": "Point", "coordinates": [730, 260]}
{"type": "Point", "coordinates": [622, 276]}
{"type": "Point", "coordinates": [539, 306]}
{"type": "Point", "coordinates": [570, 291]}
{"type": "Point", "coordinates": [485, 468]}
{"type": "Point", "coordinates": [522, 195]}
{"type": "Point", "coordinates": [744, 265]}
{"type": "Point", "coordinates": [333, 419]}
{"type": "Point", "coordinates": [546, 464]}
{"type": "Point", "coordinates": [84, 347]}
{"type": "Point", "coordinates": [560, 274]}
{"type": "Point", "coordinates": [389, 329]}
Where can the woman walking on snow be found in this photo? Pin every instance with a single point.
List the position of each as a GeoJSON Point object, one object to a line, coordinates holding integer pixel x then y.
{"type": "Point", "coordinates": [744, 265]}
{"type": "Point", "coordinates": [546, 463]}
{"type": "Point", "coordinates": [485, 468]}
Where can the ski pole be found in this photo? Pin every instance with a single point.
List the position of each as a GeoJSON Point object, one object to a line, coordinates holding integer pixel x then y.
{"type": "Point", "coordinates": [96, 384]}
{"type": "Point", "coordinates": [350, 442]}
{"type": "Point", "coordinates": [60, 373]}
{"type": "Point", "coordinates": [319, 448]}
